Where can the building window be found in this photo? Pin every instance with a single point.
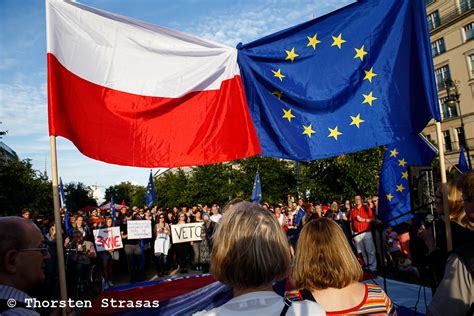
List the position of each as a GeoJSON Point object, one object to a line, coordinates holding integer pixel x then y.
{"type": "Point", "coordinates": [447, 111]}
{"type": "Point", "coordinates": [465, 5]}
{"type": "Point", "coordinates": [470, 62]}
{"type": "Point", "coordinates": [447, 142]}
{"type": "Point", "coordinates": [433, 20]}
{"type": "Point", "coordinates": [442, 74]}
{"type": "Point", "coordinates": [460, 133]}
{"type": "Point", "coordinates": [428, 2]}
{"type": "Point", "coordinates": [438, 47]}
{"type": "Point", "coordinates": [469, 31]}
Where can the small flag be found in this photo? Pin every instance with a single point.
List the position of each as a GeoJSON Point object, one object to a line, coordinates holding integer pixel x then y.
{"type": "Point", "coordinates": [394, 189]}
{"type": "Point", "coordinates": [150, 192]}
{"type": "Point", "coordinates": [462, 164]}
{"type": "Point", "coordinates": [112, 211]}
{"type": "Point", "coordinates": [64, 205]}
{"type": "Point", "coordinates": [257, 189]}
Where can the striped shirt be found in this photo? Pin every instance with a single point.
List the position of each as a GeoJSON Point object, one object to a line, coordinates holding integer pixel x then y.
{"type": "Point", "coordinates": [375, 302]}
{"type": "Point", "coordinates": [8, 292]}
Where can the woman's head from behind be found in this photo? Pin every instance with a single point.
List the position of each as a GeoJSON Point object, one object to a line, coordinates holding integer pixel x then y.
{"type": "Point", "coordinates": [324, 258]}
{"type": "Point", "coordinates": [250, 249]}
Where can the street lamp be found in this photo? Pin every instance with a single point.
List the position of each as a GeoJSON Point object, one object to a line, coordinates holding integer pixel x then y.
{"type": "Point", "coordinates": [453, 101]}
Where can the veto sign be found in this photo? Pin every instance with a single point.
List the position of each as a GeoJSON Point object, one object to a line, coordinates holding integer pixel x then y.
{"type": "Point", "coordinates": [186, 232]}
{"type": "Point", "coordinates": [107, 238]}
{"type": "Point", "coordinates": [138, 229]}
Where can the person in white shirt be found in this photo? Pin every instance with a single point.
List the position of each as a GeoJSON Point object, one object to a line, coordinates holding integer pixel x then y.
{"type": "Point", "coordinates": [251, 252]}
{"type": "Point", "coordinates": [215, 217]}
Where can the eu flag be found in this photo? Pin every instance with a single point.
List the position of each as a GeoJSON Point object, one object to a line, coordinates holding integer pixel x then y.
{"type": "Point", "coordinates": [112, 211]}
{"type": "Point", "coordinates": [150, 192]}
{"type": "Point", "coordinates": [356, 78]}
{"type": "Point", "coordinates": [257, 189]}
{"type": "Point", "coordinates": [394, 191]}
{"type": "Point", "coordinates": [462, 164]}
{"type": "Point", "coordinates": [64, 205]}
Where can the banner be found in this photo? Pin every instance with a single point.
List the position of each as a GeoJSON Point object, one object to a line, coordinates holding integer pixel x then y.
{"type": "Point", "coordinates": [186, 232]}
{"type": "Point", "coordinates": [138, 229]}
{"type": "Point", "coordinates": [107, 239]}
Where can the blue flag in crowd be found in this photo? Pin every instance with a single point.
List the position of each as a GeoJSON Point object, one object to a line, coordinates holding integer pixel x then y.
{"type": "Point", "coordinates": [150, 192]}
{"type": "Point", "coordinates": [257, 189]}
{"type": "Point", "coordinates": [356, 78]}
{"type": "Point", "coordinates": [394, 189]}
{"type": "Point", "coordinates": [64, 205]}
{"type": "Point", "coordinates": [462, 164]}
{"type": "Point", "coordinates": [112, 211]}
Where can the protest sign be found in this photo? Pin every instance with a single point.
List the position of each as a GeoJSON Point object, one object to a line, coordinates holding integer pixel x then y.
{"type": "Point", "coordinates": [138, 229]}
{"type": "Point", "coordinates": [186, 232]}
{"type": "Point", "coordinates": [107, 239]}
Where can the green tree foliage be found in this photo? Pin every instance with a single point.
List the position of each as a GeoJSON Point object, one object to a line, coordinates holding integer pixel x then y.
{"type": "Point", "coordinates": [344, 176]}
{"type": "Point", "coordinates": [23, 187]}
{"type": "Point", "coordinates": [78, 195]}
{"type": "Point", "coordinates": [126, 191]}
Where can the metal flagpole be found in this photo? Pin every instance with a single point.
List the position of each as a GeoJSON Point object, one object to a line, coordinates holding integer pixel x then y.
{"type": "Point", "coordinates": [444, 187]}
{"type": "Point", "coordinates": [57, 219]}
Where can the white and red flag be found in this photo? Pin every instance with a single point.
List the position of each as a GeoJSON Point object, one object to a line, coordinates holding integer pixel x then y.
{"type": "Point", "coordinates": [163, 97]}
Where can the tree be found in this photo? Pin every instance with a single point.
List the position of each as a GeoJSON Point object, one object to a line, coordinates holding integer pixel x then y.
{"type": "Point", "coordinates": [23, 187]}
{"type": "Point", "coordinates": [78, 195]}
{"type": "Point", "coordinates": [126, 191]}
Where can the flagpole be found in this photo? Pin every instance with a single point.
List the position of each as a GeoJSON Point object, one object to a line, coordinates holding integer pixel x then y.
{"type": "Point", "coordinates": [444, 187]}
{"type": "Point", "coordinates": [57, 219]}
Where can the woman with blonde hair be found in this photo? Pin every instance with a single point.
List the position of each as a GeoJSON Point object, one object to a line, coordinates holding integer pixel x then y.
{"type": "Point", "coordinates": [327, 272]}
{"type": "Point", "coordinates": [251, 252]}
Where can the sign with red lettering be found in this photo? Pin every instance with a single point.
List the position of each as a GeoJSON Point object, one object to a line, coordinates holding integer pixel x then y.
{"type": "Point", "coordinates": [107, 239]}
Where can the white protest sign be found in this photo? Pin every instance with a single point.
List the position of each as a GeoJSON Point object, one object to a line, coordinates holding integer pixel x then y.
{"type": "Point", "coordinates": [138, 229]}
{"type": "Point", "coordinates": [186, 232]}
{"type": "Point", "coordinates": [107, 238]}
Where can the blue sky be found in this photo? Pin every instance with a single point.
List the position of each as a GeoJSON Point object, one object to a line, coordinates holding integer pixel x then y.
{"type": "Point", "coordinates": [23, 98]}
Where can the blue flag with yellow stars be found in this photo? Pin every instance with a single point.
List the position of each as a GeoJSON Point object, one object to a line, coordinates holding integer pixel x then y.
{"type": "Point", "coordinates": [150, 191]}
{"type": "Point", "coordinates": [356, 78]}
{"type": "Point", "coordinates": [257, 189]}
{"type": "Point", "coordinates": [394, 189]}
{"type": "Point", "coordinates": [63, 204]}
{"type": "Point", "coordinates": [463, 167]}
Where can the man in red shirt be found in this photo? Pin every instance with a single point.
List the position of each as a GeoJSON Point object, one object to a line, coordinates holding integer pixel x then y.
{"type": "Point", "coordinates": [361, 217]}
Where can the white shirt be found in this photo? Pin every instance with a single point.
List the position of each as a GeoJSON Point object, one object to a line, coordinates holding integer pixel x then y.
{"type": "Point", "coordinates": [216, 218]}
{"type": "Point", "coordinates": [263, 303]}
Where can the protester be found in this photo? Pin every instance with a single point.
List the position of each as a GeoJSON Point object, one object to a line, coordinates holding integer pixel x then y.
{"type": "Point", "coordinates": [252, 252]}
{"type": "Point", "coordinates": [196, 244]}
{"type": "Point", "coordinates": [326, 270]}
{"type": "Point", "coordinates": [455, 294]}
{"type": "Point", "coordinates": [182, 248]}
{"type": "Point", "coordinates": [133, 251]}
{"type": "Point", "coordinates": [361, 217]}
{"type": "Point", "coordinates": [105, 259]}
{"type": "Point", "coordinates": [215, 217]}
{"type": "Point", "coordinates": [162, 233]}
{"type": "Point", "coordinates": [205, 248]}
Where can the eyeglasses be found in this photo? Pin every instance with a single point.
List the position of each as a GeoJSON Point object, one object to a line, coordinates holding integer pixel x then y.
{"type": "Point", "coordinates": [44, 249]}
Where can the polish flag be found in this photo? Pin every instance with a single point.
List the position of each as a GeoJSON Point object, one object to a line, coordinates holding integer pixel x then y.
{"type": "Point", "coordinates": [164, 98]}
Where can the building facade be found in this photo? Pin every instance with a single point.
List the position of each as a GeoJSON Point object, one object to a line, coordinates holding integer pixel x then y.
{"type": "Point", "coordinates": [451, 25]}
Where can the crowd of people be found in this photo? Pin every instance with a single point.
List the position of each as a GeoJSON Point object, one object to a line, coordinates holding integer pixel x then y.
{"type": "Point", "coordinates": [250, 246]}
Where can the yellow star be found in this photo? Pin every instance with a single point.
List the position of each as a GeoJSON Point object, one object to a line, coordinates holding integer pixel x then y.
{"type": "Point", "coordinates": [357, 120]}
{"type": "Point", "coordinates": [402, 162]}
{"type": "Point", "coordinates": [360, 53]}
{"type": "Point", "coordinates": [400, 188]}
{"type": "Point", "coordinates": [394, 153]}
{"type": "Point", "coordinates": [369, 74]}
{"type": "Point", "coordinates": [405, 175]}
{"type": "Point", "coordinates": [369, 98]}
{"type": "Point", "coordinates": [291, 55]}
{"type": "Point", "coordinates": [313, 41]}
{"type": "Point", "coordinates": [308, 130]}
{"type": "Point", "coordinates": [287, 114]}
{"type": "Point", "coordinates": [389, 197]}
{"type": "Point", "coordinates": [279, 94]}
{"type": "Point", "coordinates": [337, 41]}
{"type": "Point", "coordinates": [334, 133]}
{"type": "Point", "coordinates": [278, 74]}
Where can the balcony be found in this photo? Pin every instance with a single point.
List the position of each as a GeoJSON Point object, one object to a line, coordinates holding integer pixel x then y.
{"type": "Point", "coordinates": [452, 14]}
